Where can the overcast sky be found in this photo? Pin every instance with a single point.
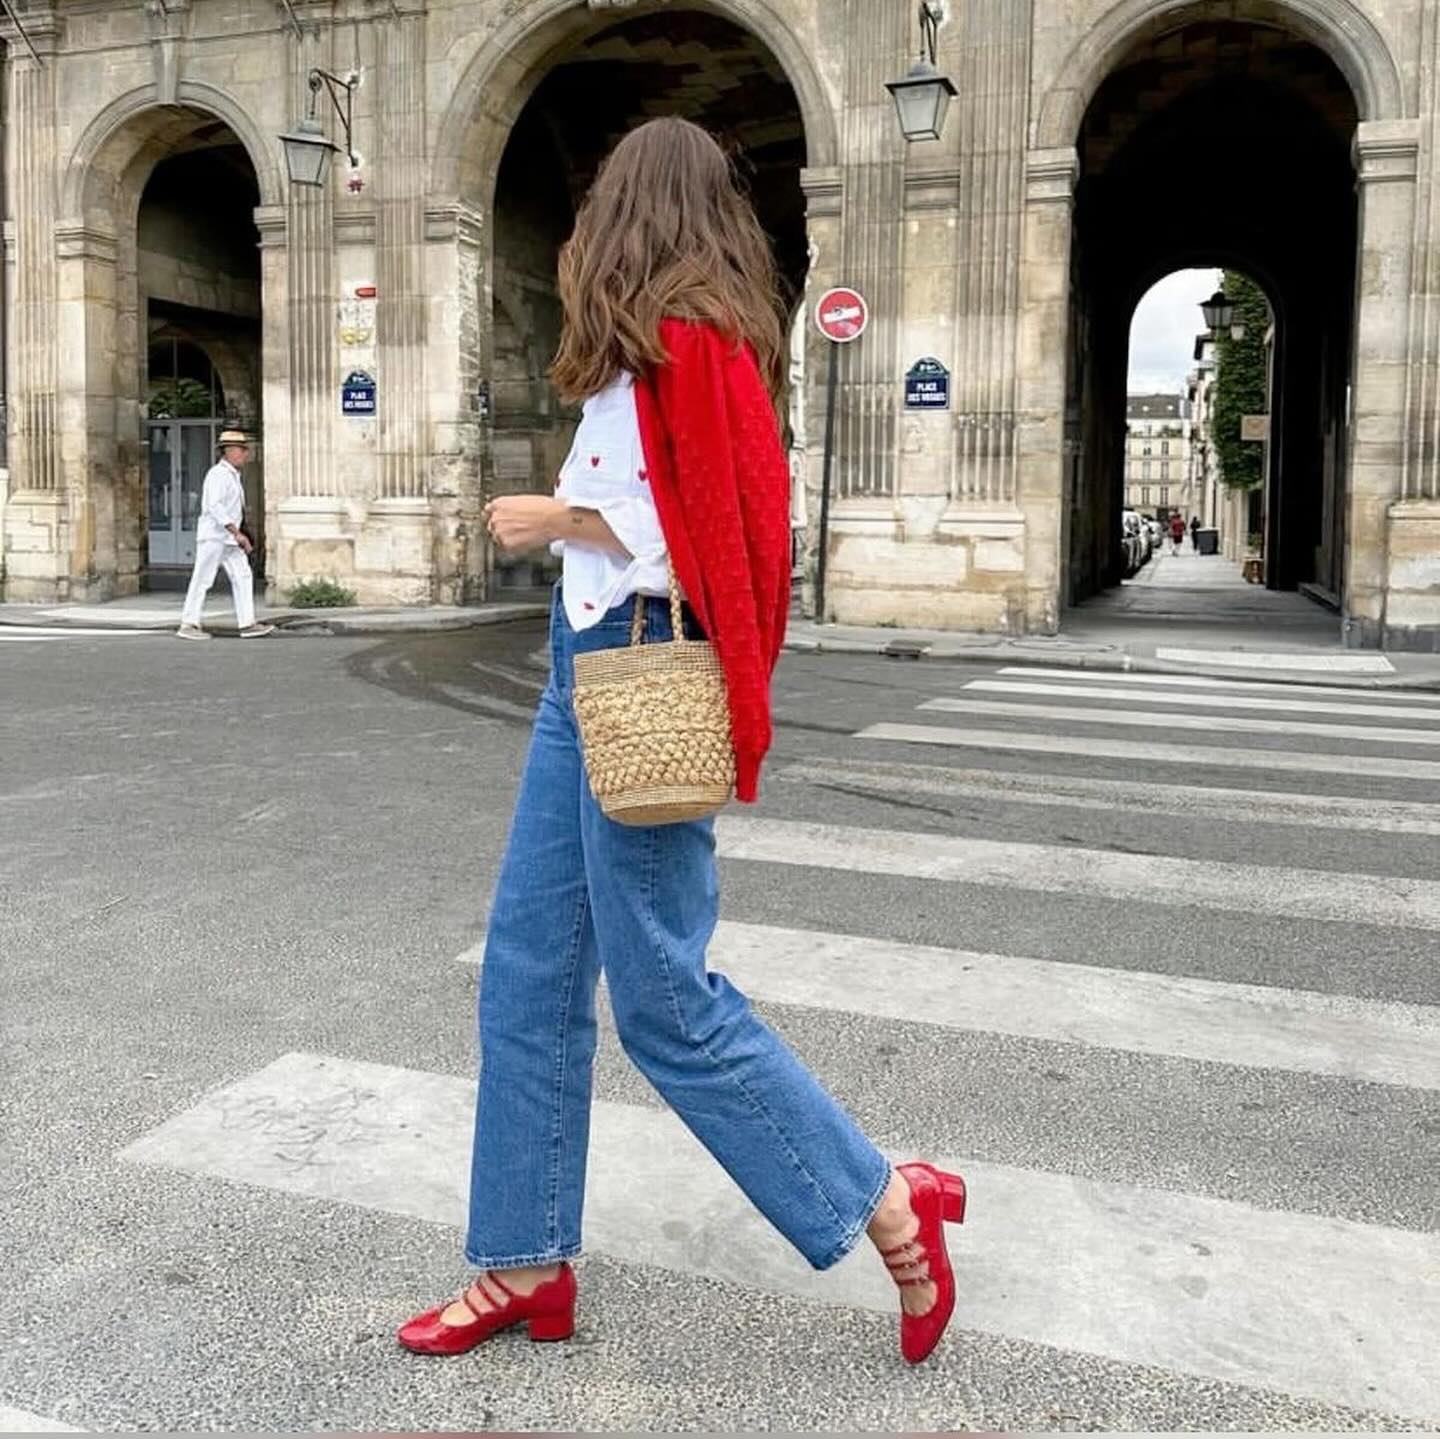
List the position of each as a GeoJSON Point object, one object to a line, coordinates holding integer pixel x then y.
{"type": "Point", "coordinates": [1162, 334]}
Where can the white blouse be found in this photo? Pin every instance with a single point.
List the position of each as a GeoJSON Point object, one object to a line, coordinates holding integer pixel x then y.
{"type": "Point", "coordinates": [605, 471]}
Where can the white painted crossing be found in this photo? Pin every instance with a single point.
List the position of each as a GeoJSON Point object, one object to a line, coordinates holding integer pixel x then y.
{"type": "Point", "coordinates": [1384, 900]}
{"type": "Point", "coordinates": [1186, 756]}
{"type": "Point", "coordinates": [40, 634]}
{"type": "Point", "coordinates": [1295, 705]}
{"type": "Point", "coordinates": [1142, 1013]}
{"type": "Point", "coordinates": [1327, 1308]}
{"type": "Point", "coordinates": [1302, 663]}
{"type": "Point", "coordinates": [1183, 801]}
{"type": "Point", "coordinates": [21, 1421]}
{"type": "Point", "coordinates": [1372, 695]}
{"type": "Point", "coordinates": [1319, 1308]}
{"type": "Point", "coordinates": [1208, 724]}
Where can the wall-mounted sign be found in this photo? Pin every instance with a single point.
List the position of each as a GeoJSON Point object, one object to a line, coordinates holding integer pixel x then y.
{"type": "Point", "coordinates": [357, 394]}
{"type": "Point", "coordinates": [357, 314]}
{"type": "Point", "coordinates": [1254, 427]}
{"type": "Point", "coordinates": [842, 314]}
{"type": "Point", "coordinates": [927, 385]}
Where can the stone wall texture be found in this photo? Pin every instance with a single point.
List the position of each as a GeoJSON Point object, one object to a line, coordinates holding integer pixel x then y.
{"type": "Point", "coordinates": [419, 269]}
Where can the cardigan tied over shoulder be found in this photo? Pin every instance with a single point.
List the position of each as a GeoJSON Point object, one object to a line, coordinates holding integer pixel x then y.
{"type": "Point", "coordinates": [721, 487]}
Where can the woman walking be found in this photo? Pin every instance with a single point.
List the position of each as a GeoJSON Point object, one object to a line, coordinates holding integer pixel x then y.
{"type": "Point", "coordinates": [672, 338]}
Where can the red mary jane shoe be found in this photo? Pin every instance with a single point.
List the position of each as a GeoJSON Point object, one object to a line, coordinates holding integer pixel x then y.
{"type": "Point", "coordinates": [936, 1198]}
{"type": "Point", "coordinates": [549, 1311]}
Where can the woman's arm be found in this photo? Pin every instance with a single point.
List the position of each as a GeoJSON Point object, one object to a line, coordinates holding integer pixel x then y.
{"type": "Point", "coordinates": [530, 522]}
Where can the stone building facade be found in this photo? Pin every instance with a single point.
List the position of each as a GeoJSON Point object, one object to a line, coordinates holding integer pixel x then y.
{"type": "Point", "coordinates": [1157, 456]}
{"type": "Point", "coordinates": [158, 261]}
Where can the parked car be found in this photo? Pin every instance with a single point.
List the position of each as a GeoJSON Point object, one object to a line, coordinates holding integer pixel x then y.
{"type": "Point", "coordinates": [1135, 542]}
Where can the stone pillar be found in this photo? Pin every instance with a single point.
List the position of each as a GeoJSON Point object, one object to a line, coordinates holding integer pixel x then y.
{"type": "Point", "coordinates": [1391, 368]}
{"type": "Point", "coordinates": [37, 539]}
{"type": "Point", "coordinates": [275, 410]}
{"type": "Point", "coordinates": [315, 529]}
{"type": "Point", "coordinates": [458, 404]}
{"type": "Point", "coordinates": [1043, 344]}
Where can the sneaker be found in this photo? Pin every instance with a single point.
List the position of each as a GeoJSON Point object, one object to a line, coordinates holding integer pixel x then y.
{"type": "Point", "coordinates": [255, 632]}
{"type": "Point", "coordinates": [191, 632]}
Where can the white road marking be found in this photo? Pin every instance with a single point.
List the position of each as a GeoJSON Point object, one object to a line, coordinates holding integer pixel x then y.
{"type": "Point", "coordinates": [1328, 1308]}
{"type": "Point", "coordinates": [18, 1421]}
{"type": "Point", "coordinates": [1190, 757]}
{"type": "Point", "coordinates": [1210, 682]}
{"type": "Point", "coordinates": [1280, 660]}
{"type": "Point", "coordinates": [1139, 1012]}
{"type": "Point", "coordinates": [1211, 724]}
{"type": "Point", "coordinates": [1183, 801]}
{"type": "Point", "coordinates": [1385, 900]}
{"type": "Point", "coordinates": [1300, 705]}
{"type": "Point", "coordinates": [16, 633]}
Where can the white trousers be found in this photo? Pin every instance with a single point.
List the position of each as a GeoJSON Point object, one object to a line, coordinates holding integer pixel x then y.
{"type": "Point", "coordinates": [210, 555]}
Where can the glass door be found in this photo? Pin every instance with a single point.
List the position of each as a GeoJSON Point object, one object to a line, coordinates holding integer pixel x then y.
{"type": "Point", "coordinates": [180, 456]}
{"type": "Point", "coordinates": [163, 517]}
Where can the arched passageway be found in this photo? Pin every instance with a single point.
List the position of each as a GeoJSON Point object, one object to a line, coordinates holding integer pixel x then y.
{"type": "Point", "coordinates": [601, 84]}
{"type": "Point", "coordinates": [1227, 144]}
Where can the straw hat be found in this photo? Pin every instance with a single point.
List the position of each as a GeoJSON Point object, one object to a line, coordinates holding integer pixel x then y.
{"type": "Point", "coordinates": [232, 437]}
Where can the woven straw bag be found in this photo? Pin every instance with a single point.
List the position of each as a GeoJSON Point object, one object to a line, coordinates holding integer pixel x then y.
{"type": "Point", "coordinates": [655, 725]}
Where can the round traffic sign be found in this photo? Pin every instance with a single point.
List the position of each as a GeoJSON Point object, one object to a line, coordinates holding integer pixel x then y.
{"type": "Point", "coordinates": [842, 314]}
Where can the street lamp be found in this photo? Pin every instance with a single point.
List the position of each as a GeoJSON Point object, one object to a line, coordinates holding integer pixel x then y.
{"type": "Point", "coordinates": [1219, 313]}
{"type": "Point", "coordinates": [307, 149]}
{"type": "Point", "coordinates": [923, 96]}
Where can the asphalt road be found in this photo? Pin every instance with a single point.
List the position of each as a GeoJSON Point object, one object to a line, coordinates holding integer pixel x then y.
{"type": "Point", "coordinates": [1166, 992]}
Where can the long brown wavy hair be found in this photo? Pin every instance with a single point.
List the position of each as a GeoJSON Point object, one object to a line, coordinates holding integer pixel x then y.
{"type": "Point", "coordinates": [665, 230]}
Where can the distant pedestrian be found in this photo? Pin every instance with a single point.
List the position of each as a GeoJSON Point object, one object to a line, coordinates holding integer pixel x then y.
{"type": "Point", "coordinates": [671, 337]}
{"type": "Point", "coordinates": [221, 542]}
{"type": "Point", "coordinates": [1195, 532]}
{"type": "Point", "coordinates": [1177, 531]}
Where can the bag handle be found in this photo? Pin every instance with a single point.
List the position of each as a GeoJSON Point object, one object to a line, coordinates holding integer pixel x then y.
{"type": "Point", "coordinates": [677, 622]}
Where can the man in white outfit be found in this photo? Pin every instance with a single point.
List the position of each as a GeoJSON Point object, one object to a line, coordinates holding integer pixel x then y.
{"type": "Point", "coordinates": [219, 541]}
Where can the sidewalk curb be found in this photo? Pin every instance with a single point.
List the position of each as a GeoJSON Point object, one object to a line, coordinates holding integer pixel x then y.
{"type": "Point", "coordinates": [1111, 663]}
{"type": "Point", "coordinates": [304, 623]}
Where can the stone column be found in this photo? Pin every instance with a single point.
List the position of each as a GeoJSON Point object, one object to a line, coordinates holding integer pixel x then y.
{"type": "Point", "coordinates": [414, 537]}
{"type": "Point", "coordinates": [275, 409]}
{"type": "Point", "coordinates": [459, 410]}
{"type": "Point", "coordinates": [1042, 347]}
{"type": "Point", "coordinates": [37, 539]}
{"type": "Point", "coordinates": [1391, 368]}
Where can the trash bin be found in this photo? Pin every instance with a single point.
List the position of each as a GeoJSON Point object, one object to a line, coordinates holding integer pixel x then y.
{"type": "Point", "coordinates": [1207, 541]}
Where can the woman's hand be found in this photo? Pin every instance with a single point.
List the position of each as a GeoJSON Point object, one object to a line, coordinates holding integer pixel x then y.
{"type": "Point", "coordinates": [524, 522]}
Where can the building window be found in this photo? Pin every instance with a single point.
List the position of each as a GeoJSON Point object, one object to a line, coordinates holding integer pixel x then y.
{"type": "Point", "coordinates": [1145, 470]}
{"type": "Point", "coordinates": [1164, 496]}
{"type": "Point", "coordinates": [1145, 495]}
{"type": "Point", "coordinates": [1164, 447]}
{"type": "Point", "coordinates": [1146, 450]}
{"type": "Point", "coordinates": [1164, 469]}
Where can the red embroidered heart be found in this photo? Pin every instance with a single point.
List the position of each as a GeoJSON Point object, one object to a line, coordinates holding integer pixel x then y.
{"type": "Point", "coordinates": [644, 477]}
{"type": "Point", "coordinates": [594, 460]}
{"type": "Point", "coordinates": [587, 604]}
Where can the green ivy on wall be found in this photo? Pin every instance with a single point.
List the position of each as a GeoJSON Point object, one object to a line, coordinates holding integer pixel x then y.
{"type": "Point", "coordinates": [1240, 384]}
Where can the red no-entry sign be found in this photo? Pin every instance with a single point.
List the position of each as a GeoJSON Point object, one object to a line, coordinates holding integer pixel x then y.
{"type": "Point", "coordinates": [842, 314]}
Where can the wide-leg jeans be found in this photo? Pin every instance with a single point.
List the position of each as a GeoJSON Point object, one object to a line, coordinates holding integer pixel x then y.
{"type": "Point", "coordinates": [578, 894]}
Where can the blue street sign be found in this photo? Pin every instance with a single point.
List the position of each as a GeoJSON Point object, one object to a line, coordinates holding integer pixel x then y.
{"type": "Point", "coordinates": [357, 394]}
{"type": "Point", "coordinates": [927, 385]}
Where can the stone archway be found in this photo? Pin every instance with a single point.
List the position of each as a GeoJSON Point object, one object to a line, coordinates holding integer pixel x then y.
{"type": "Point", "coordinates": [1285, 102]}
{"type": "Point", "coordinates": [120, 166]}
{"type": "Point", "coordinates": [534, 114]}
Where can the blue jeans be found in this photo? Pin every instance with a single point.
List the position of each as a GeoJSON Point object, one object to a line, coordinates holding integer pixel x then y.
{"type": "Point", "coordinates": [579, 893]}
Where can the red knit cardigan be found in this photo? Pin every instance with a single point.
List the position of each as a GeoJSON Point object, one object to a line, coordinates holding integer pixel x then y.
{"type": "Point", "coordinates": [722, 492]}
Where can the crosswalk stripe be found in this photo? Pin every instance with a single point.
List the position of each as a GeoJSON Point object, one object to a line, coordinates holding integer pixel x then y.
{"type": "Point", "coordinates": [1329, 1308]}
{"type": "Point", "coordinates": [1211, 724]}
{"type": "Point", "coordinates": [1385, 900]}
{"type": "Point", "coordinates": [1279, 660]}
{"type": "Point", "coordinates": [1215, 1022]}
{"type": "Point", "coordinates": [20, 1421]}
{"type": "Point", "coordinates": [1184, 801]}
{"type": "Point", "coordinates": [1134, 751]}
{"type": "Point", "coordinates": [1303, 705]}
{"type": "Point", "coordinates": [1210, 682]}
